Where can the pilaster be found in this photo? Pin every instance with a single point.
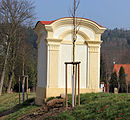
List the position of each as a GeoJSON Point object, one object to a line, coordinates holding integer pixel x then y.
{"type": "Point", "coordinates": [94, 65]}
{"type": "Point", "coordinates": [53, 50]}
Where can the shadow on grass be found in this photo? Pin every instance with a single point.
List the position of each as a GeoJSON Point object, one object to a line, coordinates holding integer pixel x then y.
{"type": "Point", "coordinates": [17, 107]}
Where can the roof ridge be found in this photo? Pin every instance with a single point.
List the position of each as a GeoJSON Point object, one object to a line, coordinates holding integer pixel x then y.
{"type": "Point", "coordinates": [50, 22]}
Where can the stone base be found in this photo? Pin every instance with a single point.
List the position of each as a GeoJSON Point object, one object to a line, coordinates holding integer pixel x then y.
{"type": "Point", "coordinates": [42, 93]}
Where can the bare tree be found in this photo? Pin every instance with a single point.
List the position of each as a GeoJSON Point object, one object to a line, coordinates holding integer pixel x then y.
{"type": "Point", "coordinates": [14, 51]}
{"type": "Point", "coordinates": [15, 13]}
{"type": "Point", "coordinates": [75, 25]}
{"type": "Point", "coordinates": [74, 38]}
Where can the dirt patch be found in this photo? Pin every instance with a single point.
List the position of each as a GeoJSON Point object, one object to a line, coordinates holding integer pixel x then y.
{"type": "Point", "coordinates": [49, 110]}
{"type": "Point", "coordinates": [44, 112]}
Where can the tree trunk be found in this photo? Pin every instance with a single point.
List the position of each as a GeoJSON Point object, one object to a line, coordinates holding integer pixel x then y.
{"type": "Point", "coordinates": [10, 81]}
{"type": "Point", "coordinates": [12, 69]}
{"type": "Point", "coordinates": [4, 69]}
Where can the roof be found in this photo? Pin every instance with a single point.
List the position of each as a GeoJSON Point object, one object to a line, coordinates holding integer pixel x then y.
{"type": "Point", "coordinates": [126, 68]}
{"type": "Point", "coordinates": [47, 22]}
{"type": "Point", "coordinates": [50, 22]}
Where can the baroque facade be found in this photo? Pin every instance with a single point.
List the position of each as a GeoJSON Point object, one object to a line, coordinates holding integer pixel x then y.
{"type": "Point", "coordinates": [55, 48]}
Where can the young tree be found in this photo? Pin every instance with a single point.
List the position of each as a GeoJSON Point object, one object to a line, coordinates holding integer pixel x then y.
{"type": "Point", "coordinates": [74, 38]}
{"type": "Point", "coordinates": [75, 25]}
{"type": "Point", "coordinates": [122, 80]}
{"type": "Point", "coordinates": [15, 13]}
{"type": "Point", "coordinates": [113, 82]}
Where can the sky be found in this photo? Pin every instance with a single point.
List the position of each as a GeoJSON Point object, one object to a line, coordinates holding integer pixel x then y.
{"type": "Point", "coordinates": [108, 13]}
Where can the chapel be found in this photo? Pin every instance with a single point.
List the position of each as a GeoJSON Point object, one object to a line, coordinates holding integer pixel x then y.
{"type": "Point", "coordinates": [55, 48]}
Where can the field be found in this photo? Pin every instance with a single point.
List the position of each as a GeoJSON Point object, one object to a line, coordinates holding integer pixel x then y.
{"type": "Point", "coordinates": [10, 109]}
{"type": "Point", "coordinates": [100, 106]}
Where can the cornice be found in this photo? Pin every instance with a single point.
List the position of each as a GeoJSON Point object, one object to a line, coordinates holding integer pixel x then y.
{"type": "Point", "coordinates": [49, 40]}
{"type": "Point", "coordinates": [93, 42]}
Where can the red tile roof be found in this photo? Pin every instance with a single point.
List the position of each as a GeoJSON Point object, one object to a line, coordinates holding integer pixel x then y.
{"type": "Point", "coordinates": [49, 22]}
{"type": "Point", "coordinates": [126, 68]}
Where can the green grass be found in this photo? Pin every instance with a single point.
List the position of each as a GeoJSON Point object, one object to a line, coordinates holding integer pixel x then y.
{"type": "Point", "coordinates": [100, 106]}
{"type": "Point", "coordinates": [9, 101]}
{"type": "Point", "coordinates": [94, 106]}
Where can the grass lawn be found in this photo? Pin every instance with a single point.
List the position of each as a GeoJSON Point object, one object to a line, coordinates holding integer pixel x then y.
{"type": "Point", "coordinates": [100, 106]}
{"type": "Point", "coordinates": [9, 106]}
{"type": "Point", "coordinates": [94, 106]}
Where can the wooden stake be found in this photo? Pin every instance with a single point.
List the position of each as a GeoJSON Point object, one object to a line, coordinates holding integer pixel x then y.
{"type": "Point", "coordinates": [78, 84]}
{"type": "Point", "coordinates": [27, 88]}
{"type": "Point", "coordinates": [23, 87]}
{"type": "Point", "coordinates": [75, 85]}
{"type": "Point", "coordinates": [27, 84]}
{"type": "Point", "coordinates": [19, 89]}
{"type": "Point", "coordinates": [66, 89]}
{"type": "Point", "coordinates": [75, 82]}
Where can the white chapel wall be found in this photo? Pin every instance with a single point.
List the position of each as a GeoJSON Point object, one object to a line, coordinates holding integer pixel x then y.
{"type": "Point", "coordinates": [81, 55]}
{"type": "Point", "coordinates": [42, 63]}
{"type": "Point", "coordinates": [66, 56]}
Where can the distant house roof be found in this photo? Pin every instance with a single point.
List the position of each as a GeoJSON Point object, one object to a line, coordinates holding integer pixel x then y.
{"type": "Point", "coordinates": [126, 68]}
{"type": "Point", "coordinates": [49, 22]}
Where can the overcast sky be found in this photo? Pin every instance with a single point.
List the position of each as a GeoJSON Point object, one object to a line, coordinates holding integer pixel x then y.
{"type": "Point", "coordinates": [108, 13]}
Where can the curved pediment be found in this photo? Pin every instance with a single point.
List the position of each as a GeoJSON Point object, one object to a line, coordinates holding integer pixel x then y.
{"type": "Point", "coordinates": [81, 22]}
{"type": "Point", "coordinates": [60, 28]}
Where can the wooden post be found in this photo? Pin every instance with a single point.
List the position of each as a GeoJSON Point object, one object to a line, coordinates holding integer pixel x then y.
{"type": "Point", "coordinates": [27, 87]}
{"type": "Point", "coordinates": [75, 82]}
{"type": "Point", "coordinates": [75, 85]}
{"type": "Point", "coordinates": [19, 89]}
{"type": "Point", "coordinates": [66, 90]}
{"type": "Point", "coordinates": [23, 87]}
{"type": "Point", "coordinates": [78, 84]}
{"type": "Point", "coordinates": [27, 84]}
